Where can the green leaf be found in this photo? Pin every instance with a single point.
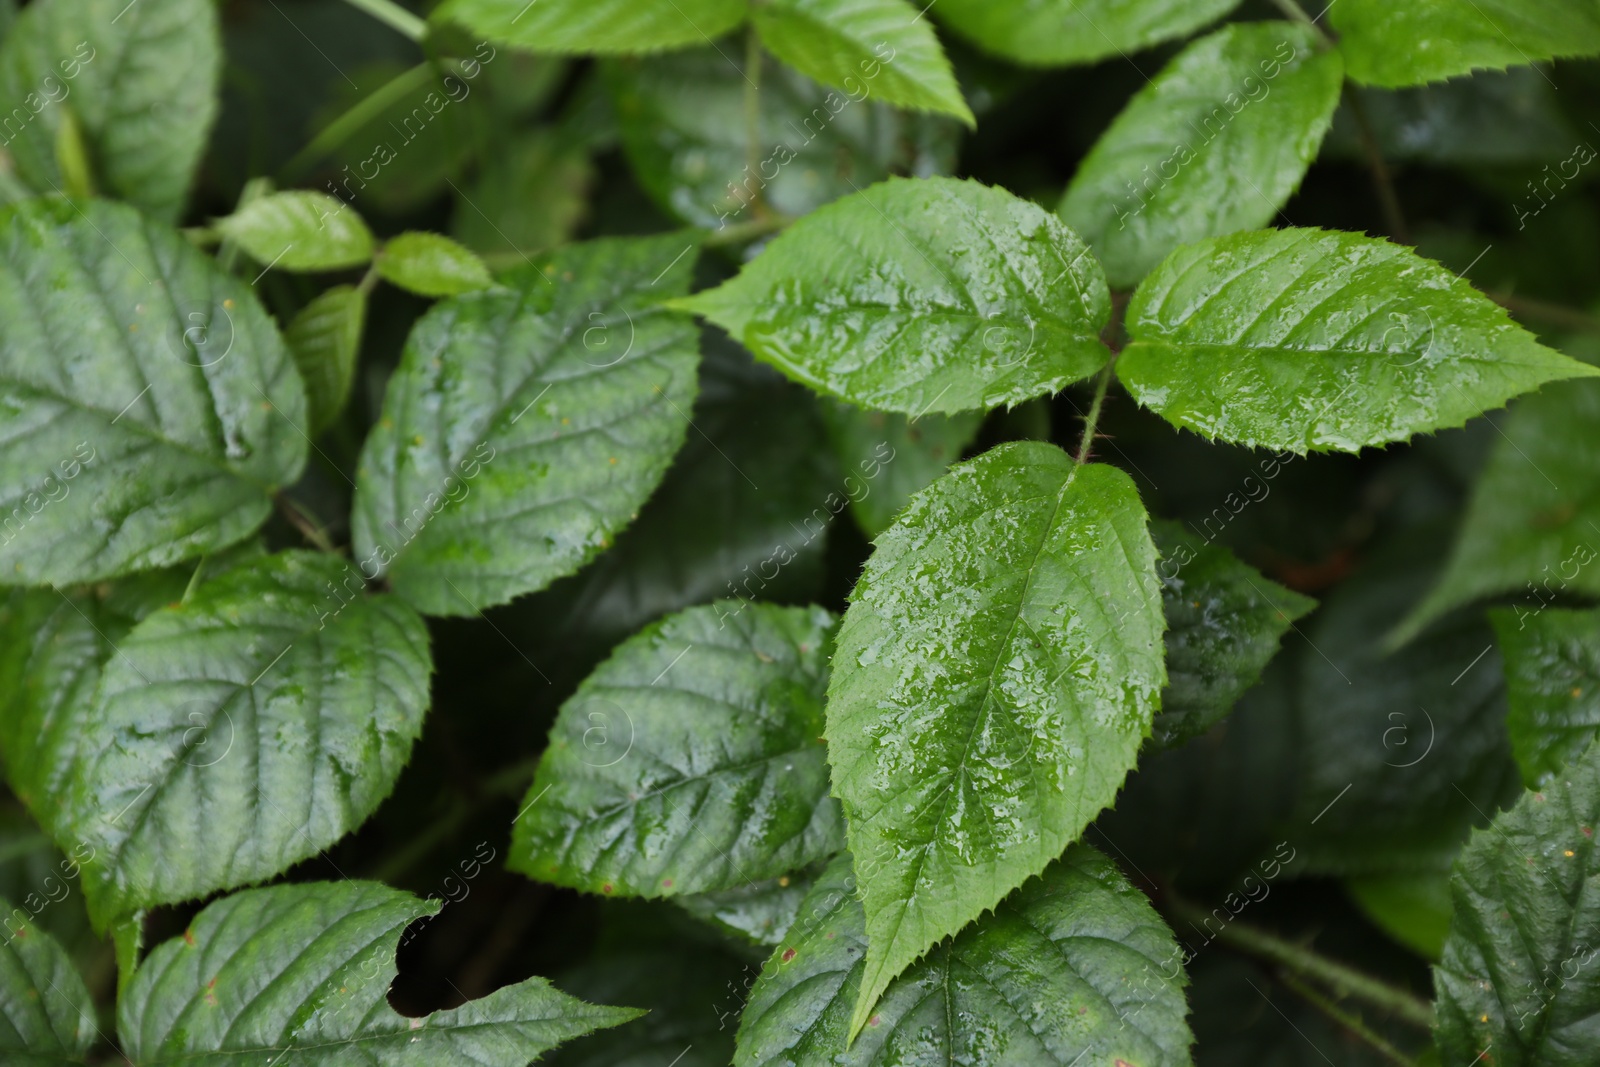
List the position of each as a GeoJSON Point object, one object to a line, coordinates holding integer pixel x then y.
{"type": "Point", "coordinates": [1553, 677]}
{"type": "Point", "coordinates": [1412, 907]}
{"type": "Point", "coordinates": [298, 976]}
{"type": "Point", "coordinates": [325, 340]}
{"type": "Point", "coordinates": [525, 427]}
{"type": "Point", "coordinates": [691, 760]}
{"type": "Point", "coordinates": [150, 405]}
{"type": "Point", "coordinates": [1309, 339]}
{"type": "Point", "coordinates": [529, 197]}
{"type": "Point", "coordinates": [932, 295]}
{"type": "Point", "coordinates": [1074, 967]}
{"type": "Point", "coordinates": [267, 715]}
{"type": "Point", "coordinates": [299, 230]}
{"type": "Point", "coordinates": [1224, 621]}
{"type": "Point", "coordinates": [432, 265]}
{"type": "Point", "coordinates": [605, 26]}
{"type": "Point", "coordinates": [47, 1018]}
{"type": "Point", "coordinates": [1051, 33]}
{"type": "Point", "coordinates": [1216, 144]}
{"type": "Point", "coordinates": [140, 81]}
{"type": "Point", "coordinates": [1429, 40]}
{"type": "Point", "coordinates": [760, 913]}
{"type": "Point", "coordinates": [1533, 524]}
{"type": "Point", "coordinates": [882, 46]}
{"type": "Point", "coordinates": [887, 458]}
{"type": "Point", "coordinates": [1517, 971]}
{"type": "Point", "coordinates": [995, 675]}
{"type": "Point", "coordinates": [682, 121]}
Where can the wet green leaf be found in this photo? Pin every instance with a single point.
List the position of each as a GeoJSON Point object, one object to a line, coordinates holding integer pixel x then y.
{"type": "Point", "coordinates": [299, 230]}
{"type": "Point", "coordinates": [886, 457]}
{"type": "Point", "coordinates": [1050, 33]}
{"type": "Point", "coordinates": [690, 761]}
{"type": "Point", "coordinates": [1217, 143]}
{"type": "Point", "coordinates": [1316, 340]}
{"type": "Point", "coordinates": [525, 426]}
{"type": "Point", "coordinates": [1553, 677]}
{"type": "Point", "coordinates": [995, 676]}
{"type": "Point", "coordinates": [150, 405]}
{"type": "Point", "coordinates": [325, 340]}
{"type": "Point", "coordinates": [431, 264]}
{"type": "Point", "coordinates": [760, 913]}
{"type": "Point", "coordinates": [921, 296]}
{"type": "Point", "coordinates": [1073, 967]}
{"type": "Point", "coordinates": [882, 46]}
{"type": "Point", "coordinates": [46, 1016]}
{"type": "Point", "coordinates": [604, 26]}
{"type": "Point", "coordinates": [298, 976]}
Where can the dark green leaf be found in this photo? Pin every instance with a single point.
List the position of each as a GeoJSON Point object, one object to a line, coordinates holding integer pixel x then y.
{"type": "Point", "coordinates": [922, 296]}
{"type": "Point", "coordinates": [528, 198]}
{"type": "Point", "coordinates": [298, 976]}
{"type": "Point", "coordinates": [46, 1016]}
{"type": "Point", "coordinates": [1412, 907]}
{"type": "Point", "coordinates": [1517, 975]}
{"type": "Point", "coordinates": [525, 427]}
{"type": "Point", "coordinates": [887, 458]}
{"type": "Point", "coordinates": [300, 230]}
{"type": "Point", "coordinates": [325, 339]}
{"type": "Point", "coordinates": [608, 26]}
{"type": "Point", "coordinates": [1553, 677]}
{"type": "Point", "coordinates": [432, 265]}
{"type": "Point", "coordinates": [267, 715]}
{"type": "Point", "coordinates": [761, 913]}
{"type": "Point", "coordinates": [1421, 41]}
{"type": "Point", "coordinates": [1216, 144]}
{"type": "Point", "coordinates": [692, 760]}
{"type": "Point", "coordinates": [1058, 32]}
{"type": "Point", "coordinates": [995, 676]}
{"type": "Point", "coordinates": [855, 44]}
{"type": "Point", "coordinates": [1315, 340]}
{"type": "Point", "coordinates": [150, 406]}
{"type": "Point", "coordinates": [1075, 967]}
{"type": "Point", "coordinates": [139, 81]}
{"type": "Point", "coordinates": [1224, 621]}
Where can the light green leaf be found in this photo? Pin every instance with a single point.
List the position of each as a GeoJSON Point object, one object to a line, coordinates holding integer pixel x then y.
{"type": "Point", "coordinates": [1517, 973]}
{"type": "Point", "coordinates": [299, 230]}
{"type": "Point", "coordinates": [1050, 33]}
{"type": "Point", "coordinates": [267, 716]}
{"type": "Point", "coordinates": [933, 295]}
{"type": "Point", "coordinates": [682, 121]}
{"type": "Point", "coordinates": [604, 26]}
{"type": "Point", "coordinates": [995, 676]}
{"type": "Point", "coordinates": [691, 760]}
{"type": "Point", "coordinates": [525, 427]}
{"type": "Point", "coordinates": [1413, 907]}
{"type": "Point", "coordinates": [886, 458]}
{"type": "Point", "coordinates": [150, 406]}
{"type": "Point", "coordinates": [299, 975]}
{"type": "Point", "coordinates": [1553, 677]}
{"type": "Point", "coordinates": [140, 81]}
{"type": "Point", "coordinates": [760, 913]}
{"type": "Point", "coordinates": [1224, 621]}
{"type": "Point", "coordinates": [1309, 339]}
{"type": "Point", "coordinates": [884, 47]}
{"type": "Point", "coordinates": [47, 1018]}
{"type": "Point", "coordinates": [1216, 144]}
{"type": "Point", "coordinates": [1533, 525]}
{"type": "Point", "coordinates": [325, 339]}
{"type": "Point", "coordinates": [1075, 967]}
{"type": "Point", "coordinates": [432, 265]}
{"type": "Point", "coordinates": [1429, 40]}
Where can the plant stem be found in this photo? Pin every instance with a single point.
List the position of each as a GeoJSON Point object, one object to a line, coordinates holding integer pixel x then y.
{"type": "Point", "coordinates": [362, 112]}
{"type": "Point", "coordinates": [394, 16]}
{"type": "Point", "coordinates": [752, 118]}
{"type": "Point", "coordinates": [1350, 1022]}
{"type": "Point", "coordinates": [511, 782]}
{"type": "Point", "coordinates": [747, 231]}
{"type": "Point", "coordinates": [1394, 218]}
{"type": "Point", "coordinates": [1297, 13]}
{"type": "Point", "coordinates": [1101, 385]}
{"type": "Point", "coordinates": [1571, 318]}
{"type": "Point", "coordinates": [309, 528]}
{"type": "Point", "coordinates": [1344, 981]}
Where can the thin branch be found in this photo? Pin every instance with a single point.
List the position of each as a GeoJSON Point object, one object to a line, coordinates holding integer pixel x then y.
{"type": "Point", "coordinates": [1382, 179]}
{"type": "Point", "coordinates": [1527, 308]}
{"type": "Point", "coordinates": [1101, 385]}
{"type": "Point", "coordinates": [394, 16]}
{"type": "Point", "coordinates": [348, 124]}
{"type": "Point", "coordinates": [309, 528]}
{"type": "Point", "coordinates": [1351, 1023]}
{"type": "Point", "coordinates": [752, 119]}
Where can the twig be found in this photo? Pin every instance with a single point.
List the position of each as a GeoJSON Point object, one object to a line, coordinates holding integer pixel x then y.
{"type": "Point", "coordinates": [752, 119]}
{"type": "Point", "coordinates": [1524, 307]}
{"type": "Point", "coordinates": [510, 783]}
{"type": "Point", "coordinates": [394, 16]}
{"type": "Point", "coordinates": [1393, 217]}
{"type": "Point", "coordinates": [309, 528]}
{"type": "Point", "coordinates": [1101, 385]}
{"type": "Point", "coordinates": [1348, 1021]}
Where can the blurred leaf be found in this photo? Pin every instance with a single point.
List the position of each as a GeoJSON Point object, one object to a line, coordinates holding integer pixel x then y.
{"type": "Point", "coordinates": [1412, 907]}
{"type": "Point", "coordinates": [325, 339]}
{"type": "Point", "coordinates": [1058, 32]}
{"type": "Point", "coordinates": [46, 1016]}
{"type": "Point", "coordinates": [889, 457]}
{"type": "Point", "coordinates": [605, 26]}
{"type": "Point", "coordinates": [1553, 676]}
{"type": "Point", "coordinates": [528, 198]}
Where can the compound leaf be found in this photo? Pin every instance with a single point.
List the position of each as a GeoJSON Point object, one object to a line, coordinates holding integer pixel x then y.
{"type": "Point", "coordinates": [432, 265]}
{"type": "Point", "coordinates": [1517, 974]}
{"type": "Point", "coordinates": [267, 715]}
{"type": "Point", "coordinates": [1215, 144]}
{"type": "Point", "coordinates": [47, 1018]}
{"type": "Point", "coordinates": [1421, 41]}
{"type": "Point", "coordinates": [919, 296]}
{"type": "Point", "coordinates": [526, 426]}
{"type": "Point", "coordinates": [150, 405]}
{"type": "Point", "coordinates": [1050, 33]}
{"type": "Point", "coordinates": [1309, 339]}
{"type": "Point", "coordinates": [300, 230]}
{"type": "Point", "coordinates": [1073, 967]}
{"type": "Point", "coordinates": [299, 975]}
{"type": "Point", "coordinates": [325, 339]}
{"type": "Point", "coordinates": [1553, 682]}
{"type": "Point", "coordinates": [604, 26]}
{"type": "Point", "coordinates": [136, 82]}
{"type": "Point", "coordinates": [850, 43]}
{"type": "Point", "coordinates": [691, 760]}
{"type": "Point", "coordinates": [995, 676]}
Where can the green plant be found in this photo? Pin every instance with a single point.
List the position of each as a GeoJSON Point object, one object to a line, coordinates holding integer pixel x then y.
{"type": "Point", "coordinates": [338, 551]}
